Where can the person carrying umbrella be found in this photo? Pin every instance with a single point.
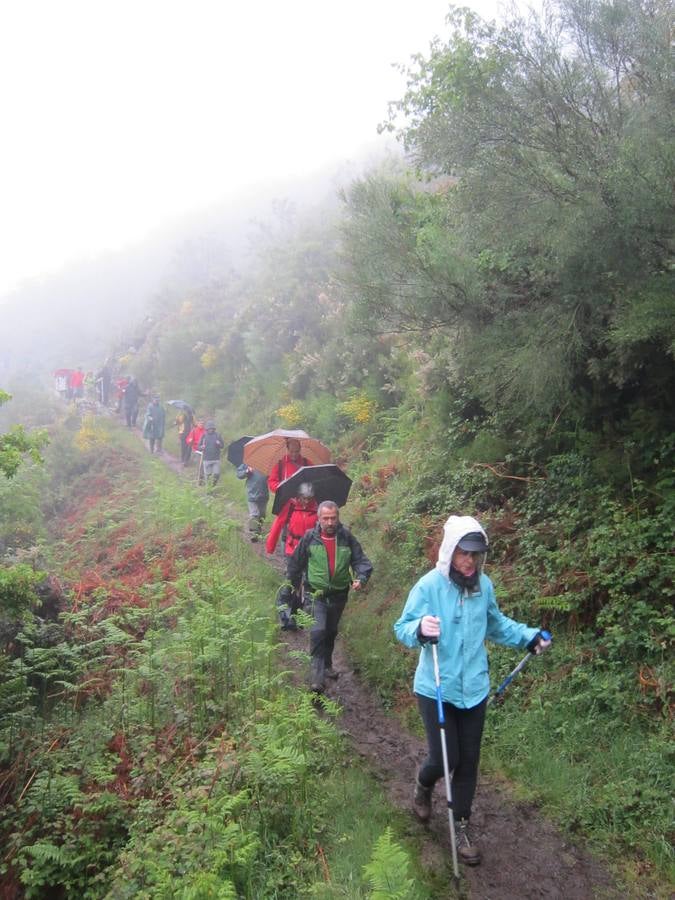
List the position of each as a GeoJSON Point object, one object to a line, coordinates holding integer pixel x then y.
{"type": "Point", "coordinates": [297, 516]}
{"type": "Point", "coordinates": [331, 561]}
{"type": "Point", "coordinates": [289, 463]}
{"type": "Point", "coordinates": [454, 608]}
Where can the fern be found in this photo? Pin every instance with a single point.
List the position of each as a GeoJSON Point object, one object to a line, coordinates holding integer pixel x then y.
{"type": "Point", "coordinates": [388, 871]}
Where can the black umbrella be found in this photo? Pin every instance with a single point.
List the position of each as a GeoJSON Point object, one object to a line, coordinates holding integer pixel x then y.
{"type": "Point", "coordinates": [235, 451]}
{"type": "Point", "coordinates": [329, 482]}
{"type": "Point", "coordinates": [181, 404]}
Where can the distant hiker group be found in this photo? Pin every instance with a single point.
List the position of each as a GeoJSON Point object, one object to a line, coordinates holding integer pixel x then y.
{"type": "Point", "coordinates": [76, 384]}
{"type": "Point", "coordinates": [70, 383]}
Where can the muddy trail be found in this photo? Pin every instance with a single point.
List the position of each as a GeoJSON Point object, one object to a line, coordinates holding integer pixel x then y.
{"type": "Point", "coordinates": [524, 855]}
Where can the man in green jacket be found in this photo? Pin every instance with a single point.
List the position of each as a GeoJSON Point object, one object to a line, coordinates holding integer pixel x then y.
{"type": "Point", "coordinates": [331, 561]}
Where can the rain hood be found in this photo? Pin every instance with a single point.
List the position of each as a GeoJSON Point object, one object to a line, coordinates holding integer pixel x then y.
{"type": "Point", "coordinates": [453, 531]}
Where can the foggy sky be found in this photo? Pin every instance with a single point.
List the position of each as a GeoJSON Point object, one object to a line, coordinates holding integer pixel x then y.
{"type": "Point", "coordinates": [120, 118]}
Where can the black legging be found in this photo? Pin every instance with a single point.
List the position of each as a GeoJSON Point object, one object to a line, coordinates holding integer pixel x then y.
{"type": "Point", "coordinates": [464, 730]}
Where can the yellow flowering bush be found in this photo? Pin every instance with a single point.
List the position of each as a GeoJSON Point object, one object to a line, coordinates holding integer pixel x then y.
{"type": "Point", "coordinates": [291, 413]}
{"type": "Point", "coordinates": [359, 409]}
{"type": "Point", "coordinates": [209, 357]}
{"type": "Point", "coordinates": [186, 308]}
{"type": "Point", "coordinates": [92, 434]}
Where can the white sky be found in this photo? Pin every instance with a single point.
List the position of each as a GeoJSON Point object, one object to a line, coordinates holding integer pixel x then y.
{"type": "Point", "coordinates": [118, 116]}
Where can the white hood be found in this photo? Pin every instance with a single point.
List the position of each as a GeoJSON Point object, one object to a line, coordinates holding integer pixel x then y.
{"type": "Point", "coordinates": [453, 531]}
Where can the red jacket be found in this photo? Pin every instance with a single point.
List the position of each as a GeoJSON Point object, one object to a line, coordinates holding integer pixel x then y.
{"type": "Point", "coordinates": [195, 436]}
{"type": "Point", "coordinates": [300, 519]}
{"type": "Point", "coordinates": [284, 469]}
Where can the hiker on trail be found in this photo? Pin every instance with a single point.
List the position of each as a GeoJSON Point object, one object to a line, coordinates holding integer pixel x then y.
{"type": "Point", "coordinates": [103, 380]}
{"type": "Point", "coordinates": [155, 421]}
{"type": "Point", "coordinates": [120, 386]}
{"type": "Point", "coordinates": [132, 393]}
{"type": "Point", "coordinates": [62, 383]}
{"type": "Point", "coordinates": [454, 606]}
{"type": "Point", "coordinates": [288, 464]}
{"type": "Point", "coordinates": [257, 495]}
{"type": "Point", "coordinates": [296, 517]}
{"type": "Point", "coordinates": [331, 561]}
{"type": "Point", "coordinates": [77, 383]}
{"type": "Point", "coordinates": [89, 385]}
{"type": "Point", "coordinates": [211, 446]}
{"type": "Point", "coordinates": [195, 435]}
{"type": "Point", "coordinates": [184, 422]}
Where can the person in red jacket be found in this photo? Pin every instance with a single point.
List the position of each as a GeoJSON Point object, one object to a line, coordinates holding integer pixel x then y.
{"type": "Point", "coordinates": [298, 516]}
{"type": "Point", "coordinates": [77, 383]}
{"type": "Point", "coordinates": [195, 435]}
{"type": "Point", "coordinates": [288, 465]}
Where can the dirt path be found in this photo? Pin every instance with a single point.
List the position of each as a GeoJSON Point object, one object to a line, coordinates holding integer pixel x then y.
{"type": "Point", "coordinates": [524, 855]}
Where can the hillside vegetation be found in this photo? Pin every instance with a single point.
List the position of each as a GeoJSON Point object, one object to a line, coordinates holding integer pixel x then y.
{"type": "Point", "coordinates": [492, 333]}
{"type": "Point", "coordinates": [486, 330]}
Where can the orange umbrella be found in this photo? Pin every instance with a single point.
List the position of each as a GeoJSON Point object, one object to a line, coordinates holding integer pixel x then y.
{"type": "Point", "coordinates": [264, 451]}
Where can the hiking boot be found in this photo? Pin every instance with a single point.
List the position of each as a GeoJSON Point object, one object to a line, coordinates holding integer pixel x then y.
{"type": "Point", "coordinates": [330, 672]}
{"type": "Point", "coordinates": [422, 801]}
{"type": "Point", "coordinates": [467, 850]}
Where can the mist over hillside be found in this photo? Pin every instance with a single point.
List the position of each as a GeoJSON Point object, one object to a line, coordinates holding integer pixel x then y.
{"type": "Point", "coordinates": [75, 317]}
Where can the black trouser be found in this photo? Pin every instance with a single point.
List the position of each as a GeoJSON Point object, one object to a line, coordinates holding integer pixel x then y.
{"type": "Point", "coordinates": [464, 730]}
{"type": "Point", "coordinates": [327, 612]}
{"type": "Point", "coordinates": [185, 449]}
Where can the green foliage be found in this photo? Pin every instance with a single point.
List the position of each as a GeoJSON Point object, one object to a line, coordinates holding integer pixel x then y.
{"type": "Point", "coordinates": [388, 871]}
{"type": "Point", "coordinates": [552, 216]}
{"type": "Point", "coordinates": [16, 443]}
{"type": "Point", "coordinates": [17, 590]}
{"type": "Point", "coordinates": [508, 312]}
{"type": "Point", "coordinates": [608, 778]}
{"type": "Point", "coordinates": [21, 516]}
{"type": "Point", "coordinates": [158, 745]}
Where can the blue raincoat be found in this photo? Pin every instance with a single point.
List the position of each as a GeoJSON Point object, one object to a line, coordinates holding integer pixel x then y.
{"type": "Point", "coordinates": [467, 620]}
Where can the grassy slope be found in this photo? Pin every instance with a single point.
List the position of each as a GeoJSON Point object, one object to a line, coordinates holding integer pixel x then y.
{"type": "Point", "coordinates": [177, 756]}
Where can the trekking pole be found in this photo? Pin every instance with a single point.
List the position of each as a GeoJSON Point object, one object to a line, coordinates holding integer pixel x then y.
{"type": "Point", "coordinates": [444, 748]}
{"type": "Point", "coordinates": [499, 693]}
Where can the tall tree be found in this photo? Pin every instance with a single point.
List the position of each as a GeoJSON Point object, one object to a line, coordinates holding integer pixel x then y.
{"type": "Point", "coordinates": [549, 249]}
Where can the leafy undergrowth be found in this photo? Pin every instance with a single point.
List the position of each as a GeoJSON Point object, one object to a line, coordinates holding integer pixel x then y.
{"type": "Point", "coordinates": [151, 746]}
{"type": "Point", "coordinates": [587, 730]}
